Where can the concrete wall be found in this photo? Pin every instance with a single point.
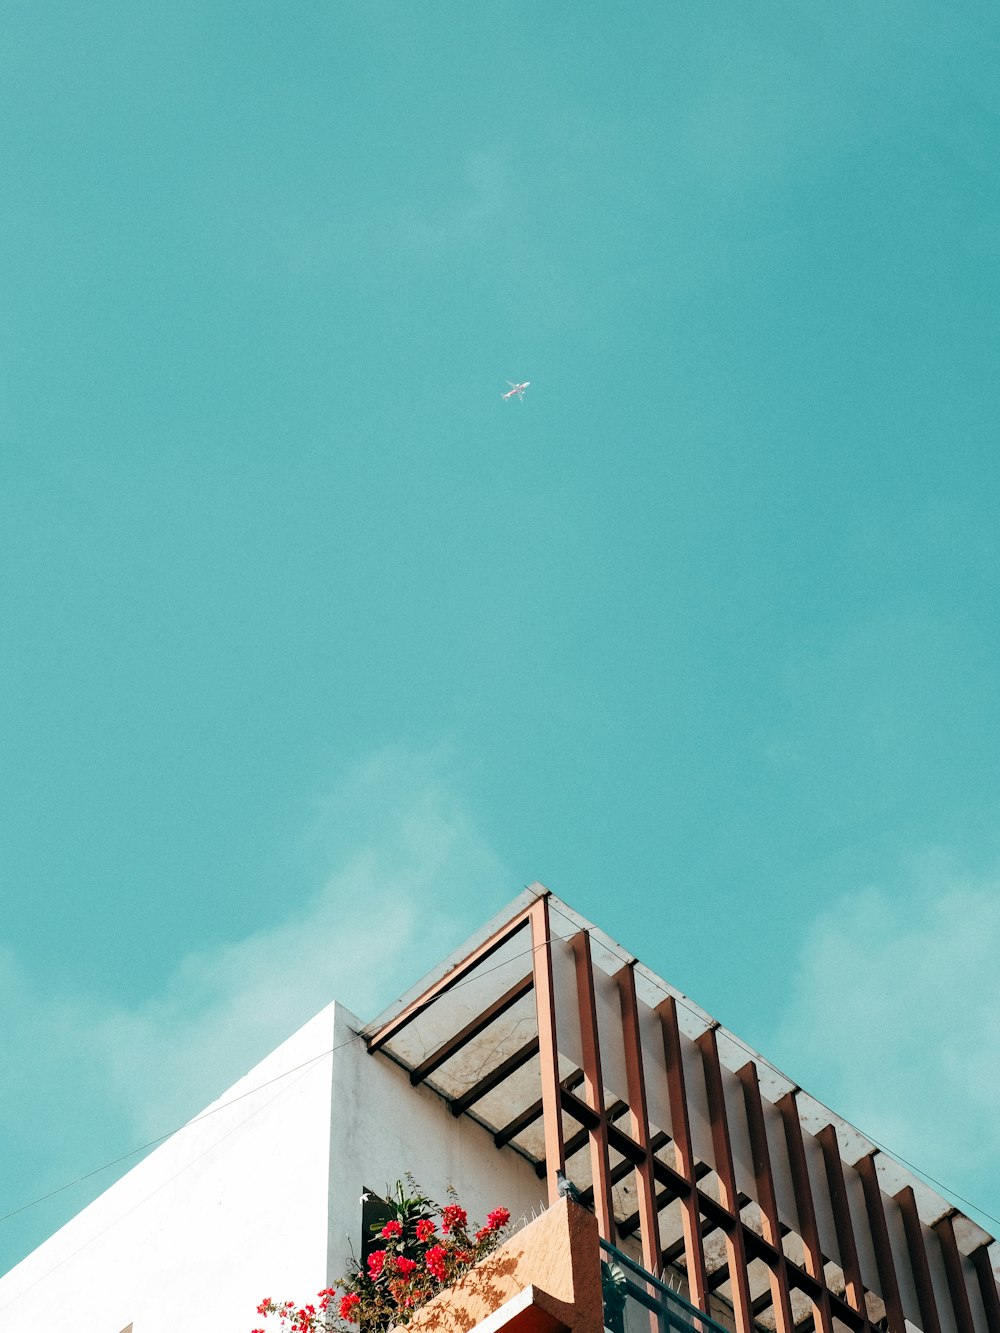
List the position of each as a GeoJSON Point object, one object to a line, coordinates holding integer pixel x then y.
{"type": "Point", "coordinates": [232, 1208]}
{"type": "Point", "coordinates": [557, 1257]}
{"type": "Point", "coordinates": [260, 1197]}
{"type": "Point", "coordinates": [382, 1128]}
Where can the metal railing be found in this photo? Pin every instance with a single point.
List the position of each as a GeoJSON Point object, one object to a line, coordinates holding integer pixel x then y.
{"type": "Point", "coordinates": [637, 1302]}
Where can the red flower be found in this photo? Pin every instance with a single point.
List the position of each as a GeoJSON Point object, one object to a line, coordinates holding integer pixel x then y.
{"type": "Point", "coordinates": [348, 1305]}
{"type": "Point", "coordinates": [463, 1256]}
{"type": "Point", "coordinates": [375, 1261]}
{"type": "Point", "coordinates": [405, 1266]}
{"type": "Point", "coordinates": [425, 1229]}
{"type": "Point", "coordinates": [482, 1233]}
{"type": "Point", "coordinates": [435, 1262]}
{"type": "Point", "coordinates": [452, 1216]}
{"type": "Point", "coordinates": [265, 1306]}
{"type": "Point", "coordinates": [497, 1219]}
{"type": "Point", "coordinates": [391, 1230]}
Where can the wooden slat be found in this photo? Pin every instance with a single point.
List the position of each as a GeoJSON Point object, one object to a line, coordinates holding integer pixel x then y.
{"type": "Point", "coordinates": [472, 1029]}
{"type": "Point", "coordinates": [530, 1114]}
{"type": "Point", "coordinates": [715, 1217]}
{"type": "Point", "coordinates": [649, 1225]}
{"type": "Point", "coordinates": [945, 1232]}
{"type": "Point", "coordinates": [616, 1174]}
{"type": "Point", "coordinates": [495, 1077]}
{"type": "Point", "coordinates": [545, 1004]}
{"type": "Point", "coordinates": [806, 1209]}
{"type": "Point", "coordinates": [582, 1139]}
{"type": "Point", "coordinates": [452, 978]}
{"type": "Point", "coordinates": [843, 1222]}
{"type": "Point", "coordinates": [766, 1200]}
{"type": "Point", "coordinates": [634, 1220]}
{"type": "Point", "coordinates": [918, 1260]}
{"type": "Point", "coordinates": [690, 1220]}
{"type": "Point", "coordinates": [739, 1283]}
{"type": "Point", "coordinates": [988, 1286]}
{"type": "Point", "coordinates": [865, 1168]}
{"type": "Point", "coordinates": [593, 1084]}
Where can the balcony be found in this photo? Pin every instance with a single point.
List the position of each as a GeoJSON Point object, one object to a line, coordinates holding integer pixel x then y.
{"type": "Point", "coordinates": [637, 1302]}
{"type": "Point", "coordinates": [556, 1275]}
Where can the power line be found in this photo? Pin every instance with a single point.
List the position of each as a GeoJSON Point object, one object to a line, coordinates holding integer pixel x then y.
{"type": "Point", "coordinates": [479, 973]}
{"type": "Point", "coordinates": [222, 1106]}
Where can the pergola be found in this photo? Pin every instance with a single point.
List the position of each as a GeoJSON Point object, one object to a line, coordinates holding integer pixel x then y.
{"type": "Point", "coordinates": [693, 1151]}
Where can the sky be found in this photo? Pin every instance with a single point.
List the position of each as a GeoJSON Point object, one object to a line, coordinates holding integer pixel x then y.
{"type": "Point", "coordinates": [314, 651]}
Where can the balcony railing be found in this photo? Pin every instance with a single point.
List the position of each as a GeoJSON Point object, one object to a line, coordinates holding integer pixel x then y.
{"type": "Point", "coordinates": [637, 1302]}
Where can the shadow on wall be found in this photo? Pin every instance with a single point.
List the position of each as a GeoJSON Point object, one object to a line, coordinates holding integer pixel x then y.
{"type": "Point", "coordinates": [553, 1264]}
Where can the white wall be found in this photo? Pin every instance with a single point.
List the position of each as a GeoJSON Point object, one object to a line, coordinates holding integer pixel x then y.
{"type": "Point", "coordinates": [231, 1209]}
{"type": "Point", "coordinates": [382, 1128]}
{"type": "Point", "coordinates": [258, 1196]}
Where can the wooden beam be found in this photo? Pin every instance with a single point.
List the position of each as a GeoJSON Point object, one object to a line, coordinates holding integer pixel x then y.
{"type": "Point", "coordinates": [548, 1050]}
{"type": "Point", "coordinates": [843, 1223]}
{"type": "Point", "coordinates": [766, 1199]}
{"type": "Point", "coordinates": [593, 1084]}
{"type": "Point", "coordinates": [458, 973]}
{"type": "Point", "coordinates": [690, 1219]}
{"type": "Point", "coordinates": [806, 1209]}
{"type": "Point", "coordinates": [865, 1168]}
{"type": "Point", "coordinates": [645, 1180]}
{"type": "Point", "coordinates": [987, 1286]}
{"type": "Point", "coordinates": [494, 1078]}
{"type": "Point", "coordinates": [945, 1231]}
{"type": "Point", "coordinates": [531, 1113]}
{"type": "Point", "coordinates": [472, 1029]}
{"type": "Point", "coordinates": [736, 1257]}
{"type": "Point", "coordinates": [918, 1260]}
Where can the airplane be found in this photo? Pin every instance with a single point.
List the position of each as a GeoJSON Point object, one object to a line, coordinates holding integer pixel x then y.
{"type": "Point", "coordinates": [516, 389]}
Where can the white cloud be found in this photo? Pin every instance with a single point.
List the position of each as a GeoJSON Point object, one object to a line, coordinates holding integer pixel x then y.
{"type": "Point", "coordinates": [409, 876]}
{"type": "Point", "coordinates": [892, 1016]}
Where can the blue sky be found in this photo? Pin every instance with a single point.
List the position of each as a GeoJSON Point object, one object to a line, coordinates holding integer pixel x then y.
{"type": "Point", "coordinates": [315, 651]}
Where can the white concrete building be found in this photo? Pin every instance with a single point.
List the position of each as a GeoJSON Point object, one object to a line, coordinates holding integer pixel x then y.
{"type": "Point", "coordinates": [532, 1052]}
{"type": "Point", "coordinates": [259, 1195]}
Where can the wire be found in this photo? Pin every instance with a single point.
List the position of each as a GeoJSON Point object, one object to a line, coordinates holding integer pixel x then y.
{"type": "Point", "coordinates": [151, 1143]}
{"type": "Point", "coordinates": [222, 1106]}
{"type": "Point", "coordinates": [479, 973]}
{"type": "Point", "coordinates": [42, 1277]}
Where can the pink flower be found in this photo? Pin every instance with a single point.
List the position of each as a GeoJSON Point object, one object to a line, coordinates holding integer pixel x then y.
{"type": "Point", "coordinates": [391, 1230]}
{"type": "Point", "coordinates": [404, 1266]}
{"type": "Point", "coordinates": [348, 1306]}
{"type": "Point", "coordinates": [452, 1216]}
{"type": "Point", "coordinates": [497, 1219]}
{"type": "Point", "coordinates": [425, 1229]}
{"type": "Point", "coordinates": [435, 1262]}
{"type": "Point", "coordinates": [375, 1261]}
